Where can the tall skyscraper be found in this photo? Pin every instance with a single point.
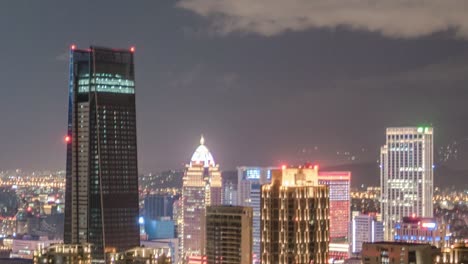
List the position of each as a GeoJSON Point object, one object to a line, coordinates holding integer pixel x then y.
{"type": "Point", "coordinates": [365, 228]}
{"type": "Point", "coordinates": [295, 218]}
{"type": "Point", "coordinates": [339, 183]}
{"type": "Point", "coordinates": [229, 234]}
{"type": "Point", "coordinates": [101, 201]}
{"type": "Point", "coordinates": [406, 175]}
{"type": "Point", "coordinates": [201, 188]}
{"type": "Point", "coordinates": [250, 181]}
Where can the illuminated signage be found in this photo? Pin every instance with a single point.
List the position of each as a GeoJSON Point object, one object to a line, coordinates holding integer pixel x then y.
{"type": "Point", "coordinates": [253, 174]}
{"type": "Point", "coordinates": [429, 225]}
{"type": "Point", "coordinates": [423, 130]}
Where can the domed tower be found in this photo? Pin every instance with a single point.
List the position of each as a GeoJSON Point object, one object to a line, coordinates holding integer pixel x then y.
{"type": "Point", "coordinates": [201, 188]}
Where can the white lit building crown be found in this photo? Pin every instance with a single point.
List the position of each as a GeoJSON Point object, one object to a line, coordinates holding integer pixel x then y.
{"type": "Point", "coordinates": [202, 155]}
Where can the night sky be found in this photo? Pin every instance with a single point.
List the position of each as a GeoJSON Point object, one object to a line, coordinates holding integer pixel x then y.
{"type": "Point", "coordinates": [266, 82]}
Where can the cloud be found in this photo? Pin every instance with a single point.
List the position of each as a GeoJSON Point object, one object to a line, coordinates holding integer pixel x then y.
{"type": "Point", "coordinates": [391, 18]}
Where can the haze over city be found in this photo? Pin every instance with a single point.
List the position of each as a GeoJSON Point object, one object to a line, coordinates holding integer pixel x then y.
{"type": "Point", "coordinates": [264, 86]}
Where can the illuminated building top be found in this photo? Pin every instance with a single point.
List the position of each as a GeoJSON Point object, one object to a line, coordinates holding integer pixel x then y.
{"type": "Point", "coordinates": [202, 155]}
{"type": "Point", "coordinates": [201, 188]}
{"type": "Point", "coordinates": [307, 176]}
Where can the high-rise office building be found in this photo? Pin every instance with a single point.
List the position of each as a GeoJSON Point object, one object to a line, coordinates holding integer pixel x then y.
{"type": "Point", "coordinates": [229, 183]}
{"type": "Point", "coordinates": [406, 175]}
{"type": "Point", "coordinates": [339, 183]}
{"type": "Point", "coordinates": [201, 188]}
{"type": "Point", "coordinates": [159, 205]}
{"type": "Point", "coordinates": [228, 234]}
{"type": "Point", "coordinates": [101, 201]}
{"type": "Point", "coordinates": [250, 181]}
{"type": "Point", "coordinates": [295, 218]}
{"type": "Point", "coordinates": [365, 228]}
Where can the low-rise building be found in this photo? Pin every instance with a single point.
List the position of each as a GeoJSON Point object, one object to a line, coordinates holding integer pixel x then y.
{"type": "Point", "coordinates": [422, 230]}
{"type": "Point", "coordinates": [398, 252]}
{"type": "Point", "coordinates": [364, 228]}
{"type": "Point", "coordinates": [456, 254]}
{"type": "Point", "coordinates": [141, 255]}
{"type": "Point", "coordinates": [64, 254]}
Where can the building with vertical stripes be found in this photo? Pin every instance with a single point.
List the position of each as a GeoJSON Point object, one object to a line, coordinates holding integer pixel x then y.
{"type": "Point", "coordinates": [406, 175]}
{"type": "Point", "coordinates": [295, 218]}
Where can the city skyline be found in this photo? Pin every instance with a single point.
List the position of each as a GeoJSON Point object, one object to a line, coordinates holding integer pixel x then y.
{"type": "Point", "coordinates": [182, 63]}
{"type": "Point", "coordinates": [329, 132]}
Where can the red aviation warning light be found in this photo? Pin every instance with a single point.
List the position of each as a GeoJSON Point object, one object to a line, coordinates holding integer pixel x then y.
{"type": "Point", "coordinates": [73, 47]}
{"type": "Point", "coordinates": [132, 49]}
{"type": "Point", "coordinates": [67, 139]}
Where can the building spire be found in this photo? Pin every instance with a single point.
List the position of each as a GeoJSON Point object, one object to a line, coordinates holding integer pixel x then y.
{"type": "Point", "coordinates": [202, 140]}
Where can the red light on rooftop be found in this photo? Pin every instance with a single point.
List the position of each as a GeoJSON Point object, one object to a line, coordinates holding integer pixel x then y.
{"type": "Point", "coordinates": [132, 49]}
{"type": "Point", "coordinates": [67, 139]}
{"type": "Point", "coordinates": [73, 47]}
{"type": "Point", "coordinates": [283, 167]}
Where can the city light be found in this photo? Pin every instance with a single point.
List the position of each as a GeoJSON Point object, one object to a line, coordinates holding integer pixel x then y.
{"type": "Point", "coordinates": [429, 225]}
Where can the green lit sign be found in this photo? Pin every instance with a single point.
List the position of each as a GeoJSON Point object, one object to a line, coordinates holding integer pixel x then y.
{"type": "Point", "coordinates": [106, 83]}
{"type": "Point", "coordinates": [423, 129]}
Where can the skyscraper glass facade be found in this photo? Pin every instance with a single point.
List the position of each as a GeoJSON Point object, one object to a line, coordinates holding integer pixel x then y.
{"type": "Point", "coordinates": [250, 181]}
{"type": "Point", "coordinates": [101, 172]}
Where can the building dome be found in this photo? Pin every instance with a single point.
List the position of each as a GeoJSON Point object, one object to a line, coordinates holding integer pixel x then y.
{"type": "Point", "coordinates": [202, 155]}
